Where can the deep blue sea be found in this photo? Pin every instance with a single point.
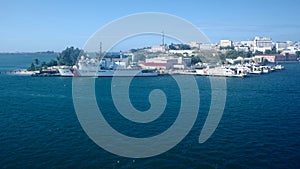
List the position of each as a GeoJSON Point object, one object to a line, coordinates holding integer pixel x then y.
{"type": "Point", "coordinates": [260, 127]}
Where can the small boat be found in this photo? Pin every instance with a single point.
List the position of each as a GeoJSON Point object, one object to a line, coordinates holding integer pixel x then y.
{"type": "Point", "coordinates": [65, 72]}
{"type": "Point", "coordinates": [265, 69]}
{"type": "Point", "coordinates": [279, 67]}
{"type": "Point", "coordinates": [272, 68]}
{"type": "Point", "coordinates": [46, 72]}
{"type": "Point", "coordinates": [255, 70]}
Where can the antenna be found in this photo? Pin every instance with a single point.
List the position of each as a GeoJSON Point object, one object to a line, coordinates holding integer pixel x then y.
{"type": "Point", "coordinates": [163, 38]}
{"type": "Point", "coordinates": [100, 50]}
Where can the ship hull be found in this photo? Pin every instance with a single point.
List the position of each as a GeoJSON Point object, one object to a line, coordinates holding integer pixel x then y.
{"type": "Point", "coordinates": [113, 73]}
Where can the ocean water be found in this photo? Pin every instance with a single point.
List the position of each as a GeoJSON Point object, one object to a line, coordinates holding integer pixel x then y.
{"type": "Point", "coordinates": [260, 127]}
{"type": "Point", "coordinates": [15, 61]}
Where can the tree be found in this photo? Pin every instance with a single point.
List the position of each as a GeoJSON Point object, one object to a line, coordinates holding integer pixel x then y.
{"type": "Point", "coordinates": [179, 47]}
{"type": "Point", "coordinates": [36, 61]}
{"type": "Point", "coordinates": [267, 51]}
{"type": "Point", "coordinates": [274, 50]}
{"type": "Point", "coordinates": [195, 59]}
{"type": "Point", "coordinates": [44, 64]}
{"type": "Point", "coordinates": [139, 57]}
{"type": "Point", "coordinates": [227, 48]}
{"type": "Point", "coordinates": [32, 67]}
{"type": "Point", "coordinates": [258, 52]}
{"type": "Point", "coordinates": [133, 50]}
{"type": "Point", "coordinates": [232, 54]}
{"type": "Point", "coordinates": [52, 62]}
{"type": "Point", "coordinates": [69, 56]}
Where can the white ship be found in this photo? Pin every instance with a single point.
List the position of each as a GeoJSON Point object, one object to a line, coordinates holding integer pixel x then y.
{"type": "Point", "coordinates": [87, 67]}
{"type": "Point", "coordinates": [124, 73]}
{"type": "Point", "coordinates": [255, 70]}
{"type": "Point", "coordinates": [222, 71]}
{"type": "Point", "coordinates": [279, 67]}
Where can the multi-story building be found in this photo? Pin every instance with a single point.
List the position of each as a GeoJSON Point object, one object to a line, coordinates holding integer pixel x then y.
{"type": "Point", "coordinates": [262, 44]}
{"type": "Point", "coordinates": [280, 46]}
{"type": "Point", "coordinates": [226, 43]}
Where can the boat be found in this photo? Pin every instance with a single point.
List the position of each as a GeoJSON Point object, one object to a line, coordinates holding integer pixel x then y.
{"type": "Point", "coordinates": [265, 69]}
{"type": "Point", "coordinates": [46, 72]}
{"type": "Point", "coordinates": [65, 72]}
{"type": "Point", "coordinates": [279, 67]}
{"type": "Point", "coordinates": [92, 67]}
{"type": "Point", "coordinates": [255, 70]}
{"type": "Point", "coordinates": [24, 72]}
{"type": "Point", "coordinates": [221, 71]}
{"type": "Point", "coordinates": [125, 73]}
{"type": "Point", "coordinates": [183, 72]}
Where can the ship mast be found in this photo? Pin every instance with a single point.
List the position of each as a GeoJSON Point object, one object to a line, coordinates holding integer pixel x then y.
{"type": "Point", "coordinates": [100, 51]}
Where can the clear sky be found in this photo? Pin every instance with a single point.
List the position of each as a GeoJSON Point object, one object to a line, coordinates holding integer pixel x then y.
{"type": "Point", "coordinates": [40, 25]}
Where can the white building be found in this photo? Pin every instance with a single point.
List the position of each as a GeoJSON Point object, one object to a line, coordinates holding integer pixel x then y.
{"type": "Point", "coordinates": [168, 62]}
{"type": "Point", "coordinates": [262, 44]}
{"type": "Point", "coordinates": [183, 52]}
{"type": "Point", "coordinates": [290, 50]}
{"type": "Point", "coordinates": [158, 49]}
{"type": "Point", "coordinates": [249, 43]}
{"type": "Point", "coordinates": [280, 46]}
{"type": "Point", "coordinates": [226, 43]}
{"type": "Point", "coordinates": [242, 48]}
{"type": "Point", "coordinates": [206, 46]}
{"type": "Point", "coordinates": [194, 45]}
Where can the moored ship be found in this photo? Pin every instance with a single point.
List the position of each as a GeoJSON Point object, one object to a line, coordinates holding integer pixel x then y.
{"type": "Point", "coordinates": [87, 67]}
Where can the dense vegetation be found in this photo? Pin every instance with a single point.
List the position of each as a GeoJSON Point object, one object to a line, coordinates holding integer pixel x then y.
{"type": "Point", "coordinates": [67, 57]}
{"type": "Point", "coordinates": [179, 47]}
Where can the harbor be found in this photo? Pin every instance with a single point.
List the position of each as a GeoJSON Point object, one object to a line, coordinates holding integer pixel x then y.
{"type": "Point", "coordinates": [260, 123]}
{"type": "Point", "coordinates": [91, 68]}
{"type": "Point", "coordinates": [240, 71]}
{"type": "Point", "coordinates": [226, 59]}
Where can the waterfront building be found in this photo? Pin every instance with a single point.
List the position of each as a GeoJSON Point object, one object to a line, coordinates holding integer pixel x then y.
{"type": "Point", "coordinates": [273, 58]}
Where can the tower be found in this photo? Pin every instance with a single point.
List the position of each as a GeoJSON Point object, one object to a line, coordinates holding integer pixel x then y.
{"type": "Point", "coordinates": [163, 38]}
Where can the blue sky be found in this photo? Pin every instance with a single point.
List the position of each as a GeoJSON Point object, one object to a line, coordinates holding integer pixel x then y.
{"type": "Point", "coordinates": [34, 25]}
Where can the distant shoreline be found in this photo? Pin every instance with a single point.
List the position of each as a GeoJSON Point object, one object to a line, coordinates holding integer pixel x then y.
{"type": "Point", "coordinates": [17, 53]}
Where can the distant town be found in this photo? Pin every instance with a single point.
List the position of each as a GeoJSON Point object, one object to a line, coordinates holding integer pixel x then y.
{"type": "Point", "coordinates": [260, 50]}
{"type": "Point", "coordinates": [228, 58]}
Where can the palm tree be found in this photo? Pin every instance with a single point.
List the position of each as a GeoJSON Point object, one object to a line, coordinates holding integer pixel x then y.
{"type": "Point", "coordinates": [36, 61]}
